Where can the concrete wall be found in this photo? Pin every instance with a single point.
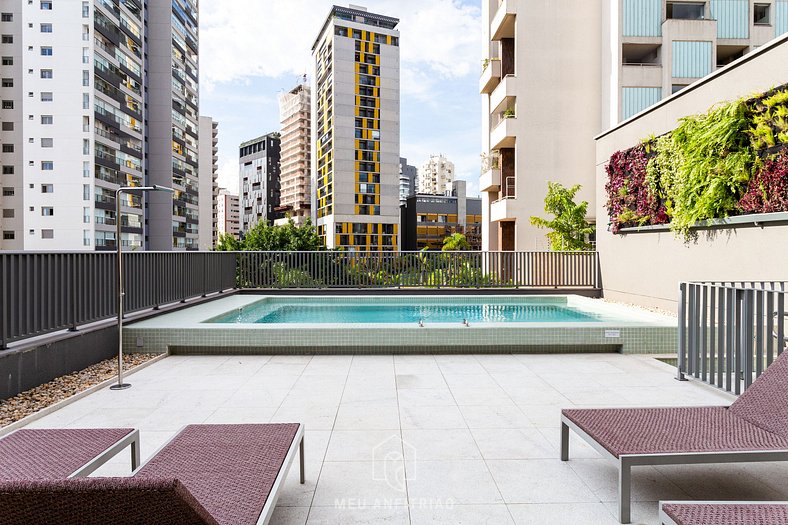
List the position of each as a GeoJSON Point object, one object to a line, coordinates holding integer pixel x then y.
{"type": "Point", "coordinates": [646, 268]}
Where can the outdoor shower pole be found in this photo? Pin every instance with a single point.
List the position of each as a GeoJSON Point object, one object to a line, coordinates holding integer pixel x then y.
{"type": "Point", "coordinates": [124, 189]}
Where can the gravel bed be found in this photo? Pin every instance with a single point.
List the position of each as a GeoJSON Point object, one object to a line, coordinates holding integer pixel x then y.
{"type": "Point", "coordinates": [33, 400]}
{"type": "Point", "coordinates": [652, 309]}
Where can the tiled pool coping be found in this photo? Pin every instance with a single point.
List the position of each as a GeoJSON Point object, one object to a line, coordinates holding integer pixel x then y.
{"type": "Point", "coordinates": [625, 329]}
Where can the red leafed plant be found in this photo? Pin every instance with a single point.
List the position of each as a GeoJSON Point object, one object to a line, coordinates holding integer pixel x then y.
{"type": "Point", "coordinates": [768, 190]}
{"type": "Point", "coordinates": [630, 201]}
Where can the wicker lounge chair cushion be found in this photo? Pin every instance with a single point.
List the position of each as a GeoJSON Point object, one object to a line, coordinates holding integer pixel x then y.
{"type": "Point", "coordinates": [100, 501]}
{"type": "Point", "coordinates": [53, 454]}
{"type": "Point", "coordinates": [230, 469]}
{"type": "Point", "coordinates": [765, 403]}
{"type": "Point", "coordinates": [673, 430]}
{"type": "Point", "coordinates": [727, 514]}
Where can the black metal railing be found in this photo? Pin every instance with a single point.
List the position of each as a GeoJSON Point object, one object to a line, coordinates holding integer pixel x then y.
{"type": "Point", "coordinates": [42, 293]}
{"type": "Point", "coordinates": [46, 292]}
{"type": "Point", "coordinates": [418, 269]}
{"type": "Point", "coordinates": [730, 332]}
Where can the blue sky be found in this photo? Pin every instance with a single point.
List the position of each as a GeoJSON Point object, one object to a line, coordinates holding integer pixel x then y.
{"type": "Point", "coordinates": [251, 50]}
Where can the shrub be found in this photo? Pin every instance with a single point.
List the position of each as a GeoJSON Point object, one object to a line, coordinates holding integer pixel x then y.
{"type": "Point", "coordinates": [768, 190]}
{"type": "Point", "coordinates": [631, 202]}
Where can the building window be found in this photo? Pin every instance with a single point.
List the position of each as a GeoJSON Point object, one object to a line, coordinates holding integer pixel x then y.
{"type": "Point", "coordinates": [7, 39]}
{"type": "Point", "coordinates": [85, 146]}
{"type": "Point", "coordinates": [686, 10]}
{"type": "Point", "coordinates": [8, 170]}
{"type": "Point", "coordinates": [86, 215]}
{"type": "Point", "coordinates": [8, 104]}
{"type": "Point", "coordinates": [85, 101]}
{"type": "Point", "coordinates": [8, 61]}
{"type": "Point", "coordinates": [85, 237]}
{"type": "Point", "coordinates": [46, 96]}
{"type": "Point", "coordinates": [86, 169]}
{"type": "Point", "coordinates": [675, 88]}
{"type": "Point", "coordinates": [762, 14]}
{"type": "Point", "coordinates": [47, 188]}
{"type": "Point", "coordinates": [46, 51]}
{"type": "Point", "coordinates": [47, 142]}
{"type": "Point", "coordinates": [46, 5]}
{"type": "Point", "coordinates": [86, 192]}
{"type": "Point", "coordinates": [47, 119]}
{"type": "Point", "coordinates": [8, 126]}
{"type": "Point", "coordinates": [85, 78]}
{"type": "Point", "coordinates": [85, 10]}
{"type": "Point", "coordinates": [8, 236]}
{"type": "Point", "coordinates": [8, 213]}
{"type": "Point", "coordinates": [8, 192]}
{"type": "Point", "coordinates": [47, 211]}
{"type": "Point", "coordinates": [7, 17]}
{"type": "Point", "coordinates": [7, 82]}
{"type": "Point", "coordinates": [47, 234]}
{"type": "Point", "coordinates": [8, 148]}
{"type": "Point", "coordinates": [46, 73]}
{"type": "Point", "coordinates": [46, 28]}
{"type": "Point", "coordinates": [47, 165]}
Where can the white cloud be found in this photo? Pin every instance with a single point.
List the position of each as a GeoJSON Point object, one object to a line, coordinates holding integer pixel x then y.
{"type": "Point", "coordinates": [272, 38]}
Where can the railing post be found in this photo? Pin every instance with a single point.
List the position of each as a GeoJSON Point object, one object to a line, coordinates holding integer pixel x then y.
{"type": "Point", "coordinates": [682, 332]}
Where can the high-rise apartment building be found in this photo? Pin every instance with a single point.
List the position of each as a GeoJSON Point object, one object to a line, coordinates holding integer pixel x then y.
{"type": "Point", "coordinates": [435, 176]}
{"type": "Point", "coordinates": [355, 122]}
{"type": "Point", "coordinates": [554, 78]}
{"type": "Point", "coordinates": [75, 125]}
{"type": "Point", "coordinates": [172, 128]}
{"type": "Point", "coordinates": [208, 171]}
{"type": "Point", "coordinates": [259, 174]}
{"type": "Point", "coordinates": [295, 114]}
{"type": "Point", "coordinates": [72, 124]}
{"type": "Point", "coordinates": [229, 213]}
{"type": "Point", "coordinates": [407, 180]}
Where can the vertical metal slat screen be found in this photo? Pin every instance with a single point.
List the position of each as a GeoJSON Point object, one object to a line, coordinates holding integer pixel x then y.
{"type": "Point", "coordinates": [730, 332]}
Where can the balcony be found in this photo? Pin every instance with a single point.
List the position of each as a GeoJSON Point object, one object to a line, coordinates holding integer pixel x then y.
{"type": "Point", "coordinates": [503, 134]}
{"type": "Point", "coordinates": [490, 180]}
{"type": "Point", "coordinates": [503, 23]}
{"type": "Point", "coordinates": [491, 75]}
{"type": "Point", "coordinates": [505, 209]}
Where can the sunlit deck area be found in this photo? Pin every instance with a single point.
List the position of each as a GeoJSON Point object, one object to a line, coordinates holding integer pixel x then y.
{"type": "Point", "coordinates": [428, 439]}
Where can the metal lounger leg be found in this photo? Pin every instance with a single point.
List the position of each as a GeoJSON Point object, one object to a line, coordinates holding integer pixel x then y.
{"type": "Point", "coordinates": [564, 442]}
{"type": "Point", "coordinates": [301, 458]}
{"type": "Point", "coordinates": [624, 491]}
{"type": "Point", "coordinates": [135, 454]}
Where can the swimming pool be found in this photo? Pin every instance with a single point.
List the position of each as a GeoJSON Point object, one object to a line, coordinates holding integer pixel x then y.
{"type": "Point", "coordinates": [377, 310]}
{"type": "Point", "coordinates": [385, 324]}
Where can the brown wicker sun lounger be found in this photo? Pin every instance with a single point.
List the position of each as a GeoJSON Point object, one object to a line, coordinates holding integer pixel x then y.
{"type": "Point", "coordinates": [207, 474]}
{"type": "Point", "coordinates": [29, 454]}
{"type": "Point", "coordinates": [723, 513]}
{"type": "Point", "coordinates": [754, 428]}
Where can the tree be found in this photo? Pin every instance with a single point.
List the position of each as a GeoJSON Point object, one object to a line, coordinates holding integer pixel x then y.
{"type": "Point", "coordinates": [569, 227]}
{"type": "Point", "coordinates": [267, 237]}
{"type": "Point", "coordinates": [456, 242]}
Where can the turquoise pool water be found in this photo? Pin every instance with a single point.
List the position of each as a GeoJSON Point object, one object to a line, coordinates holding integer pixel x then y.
{"type": "Point", "coordinates": [278, 311]}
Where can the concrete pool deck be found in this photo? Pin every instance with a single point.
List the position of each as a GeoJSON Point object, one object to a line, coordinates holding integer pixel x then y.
{"type": "Point", "coordinates": [419, 440]}
{"type": "Point", "coordinates": [620, 328]}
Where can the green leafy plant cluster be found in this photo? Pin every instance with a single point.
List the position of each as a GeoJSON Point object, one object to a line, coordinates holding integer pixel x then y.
{"type": "Point", "coordinates": [569, 227]}
{"type": "Point", "coordinates": [289, 237]}
{"type": "Point", "coordinates": [704, 168]}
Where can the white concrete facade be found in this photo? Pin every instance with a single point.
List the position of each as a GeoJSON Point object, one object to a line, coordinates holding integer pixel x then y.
{"type": "Point", "coordinates": [355, 118]}
{"type": "Point", "coordinates": [209, 187]}
{"type": "Point", "coordinates": [435, 176]}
